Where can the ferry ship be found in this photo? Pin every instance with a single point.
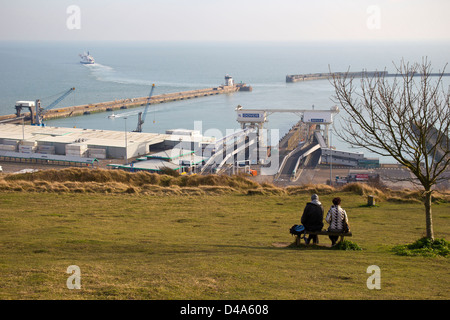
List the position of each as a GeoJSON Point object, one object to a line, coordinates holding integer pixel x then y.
{"type": "Point", "coordinates": [86, 58]}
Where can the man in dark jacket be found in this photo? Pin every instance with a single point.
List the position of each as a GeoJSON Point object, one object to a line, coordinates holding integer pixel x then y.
{"type": "Point", "coordinates": [312, 218]}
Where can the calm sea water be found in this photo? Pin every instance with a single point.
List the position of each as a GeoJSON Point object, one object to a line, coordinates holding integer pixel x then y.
{"type": "Point", "coordinates": [34, 70]}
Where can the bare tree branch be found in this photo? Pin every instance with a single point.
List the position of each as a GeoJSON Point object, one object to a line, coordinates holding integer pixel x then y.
{"type": "Point", "coordinates": [401, 117]}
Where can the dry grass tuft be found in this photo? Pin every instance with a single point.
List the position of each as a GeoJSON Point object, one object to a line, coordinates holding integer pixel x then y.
{"type": "Point", "coordinates": [363, 189]}
{"type": "Point", "coordinates": [310, 189]}
{"type": "Point", "coordinates": [83, 180]}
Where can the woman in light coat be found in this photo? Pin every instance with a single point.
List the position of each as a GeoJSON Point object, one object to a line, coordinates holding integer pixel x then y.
{"type": "Point", "coordinates": [337, 218]}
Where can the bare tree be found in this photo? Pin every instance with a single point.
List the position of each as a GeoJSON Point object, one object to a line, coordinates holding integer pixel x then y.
{"type": "Point", "coordinates": [405, 116]}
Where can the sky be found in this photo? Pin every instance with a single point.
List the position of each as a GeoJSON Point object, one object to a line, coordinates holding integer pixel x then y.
{"type": "Point", "coordinates": [224, 20]}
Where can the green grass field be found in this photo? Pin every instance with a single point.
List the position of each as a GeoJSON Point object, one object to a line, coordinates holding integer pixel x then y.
{"type": "Point", "coordinates": [230, 246]}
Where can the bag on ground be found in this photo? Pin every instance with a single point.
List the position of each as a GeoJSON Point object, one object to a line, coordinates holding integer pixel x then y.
{"type": "Point", "coordinates": [297, 229]}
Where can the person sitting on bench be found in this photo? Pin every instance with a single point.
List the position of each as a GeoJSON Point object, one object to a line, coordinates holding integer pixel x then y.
{"type": "Point", "coordinates": [337, 218]}
{"type": "Point", "coordinates": [312, 218]}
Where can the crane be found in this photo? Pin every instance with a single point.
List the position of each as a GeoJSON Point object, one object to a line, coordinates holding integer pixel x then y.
{"type": "Point", "coordinates": [41, 111]}
{"type": "Point", "coordinates": [141, 115]}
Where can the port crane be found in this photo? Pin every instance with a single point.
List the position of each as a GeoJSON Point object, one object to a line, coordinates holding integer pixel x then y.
{"type": "Point", "coordinates": [39, 112]}
{"type": "Point", "coordinates": [36, 112]}
{"type": "Point", "coordinates": [142, 115]}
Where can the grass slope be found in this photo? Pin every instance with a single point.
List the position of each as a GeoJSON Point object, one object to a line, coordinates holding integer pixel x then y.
{"type": "Point", "coordinates": [206, 246]}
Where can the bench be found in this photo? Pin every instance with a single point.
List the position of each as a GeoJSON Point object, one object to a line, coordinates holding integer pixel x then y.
{"type": "Point", "coordinates": [324, 233]}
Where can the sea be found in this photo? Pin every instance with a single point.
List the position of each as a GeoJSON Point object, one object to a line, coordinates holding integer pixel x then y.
{"type": "Point", "coordinates": [124, 70]}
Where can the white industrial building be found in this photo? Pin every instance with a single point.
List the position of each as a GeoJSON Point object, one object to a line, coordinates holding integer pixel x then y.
{"type": "Point", "coordinates": [92, 143]}
{"type": "Point", "coordinates": [78, 142]}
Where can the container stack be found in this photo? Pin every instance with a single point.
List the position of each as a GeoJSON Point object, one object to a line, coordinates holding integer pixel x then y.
{"type": "Point", "coordinates": [46, 149]}
{"type": "Point", "coordinates": [11, 142]}
{"type": "Point", "coordinates": [9, 145]}
{"type": "Point", "coordinates": [76, 150]}
{"type": "Point", "coordinates": [27, 146]}
{"type": "Point", "coordinates": [97, 153]}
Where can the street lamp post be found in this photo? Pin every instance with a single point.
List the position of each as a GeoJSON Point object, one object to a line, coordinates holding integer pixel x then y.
{"type": "Point", "coordinates": [126, 142]}
{"type": "Point", "coordinates": [23, 130]}
{"type": "Point", "coordinates": [331, 165]}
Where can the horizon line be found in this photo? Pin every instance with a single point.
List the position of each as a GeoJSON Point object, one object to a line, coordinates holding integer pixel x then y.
{"type": "Point", "coordinates": [240, 41]}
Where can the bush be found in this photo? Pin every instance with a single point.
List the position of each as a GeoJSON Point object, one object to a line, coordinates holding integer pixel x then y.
{"type": "Point", "coordinates": [169, 172]}
{"type": "Point", "coordinates": [310, 189]}
{"type": "Point", "coordinates": [362, 189]}
{"type": "Point", "coordinates": [347, 245]}
{"type": "Point", "coordinates": [424, 247]}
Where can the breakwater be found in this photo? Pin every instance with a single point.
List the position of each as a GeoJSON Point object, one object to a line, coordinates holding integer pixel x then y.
{"type": "Point", "coordinates": [127, 103]}
{"type": "Point", "coordinates": [362, 74]}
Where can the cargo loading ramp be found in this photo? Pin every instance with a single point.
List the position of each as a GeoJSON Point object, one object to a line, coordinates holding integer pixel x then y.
{"type": "Point", "coordinates": [222, 150]}
{"type": "Point", "coordinates": [289, 168]}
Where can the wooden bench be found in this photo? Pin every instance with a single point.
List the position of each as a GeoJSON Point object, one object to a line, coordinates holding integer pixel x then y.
{"type": "Point", "coordinates": [324, 233]}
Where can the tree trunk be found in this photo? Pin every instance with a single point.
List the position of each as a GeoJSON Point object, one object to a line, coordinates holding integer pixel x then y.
{"type": "Point", "coordinates": [428, 217]}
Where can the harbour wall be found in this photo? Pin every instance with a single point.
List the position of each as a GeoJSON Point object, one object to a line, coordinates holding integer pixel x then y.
{"type": "Point", "coordinates": [362, 74]}
{"type": "Point", "coordinates": [128, 103]}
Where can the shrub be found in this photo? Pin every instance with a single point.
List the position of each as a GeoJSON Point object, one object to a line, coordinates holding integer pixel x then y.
{"type": "Point", "coordinates": [310, 189]}
{"type": "Point", "coordinates": [361, 189]}
{"type": "Point", "coordinates": [170, 172]}
{"type": "Point", "coordinates": [166, 180]}
{"type": "Point", "coordinates": [254, 192]}
{"type": "Point", "coordinates": [346, 245]}
{"type": "Point", "coordinates": [424, 247]}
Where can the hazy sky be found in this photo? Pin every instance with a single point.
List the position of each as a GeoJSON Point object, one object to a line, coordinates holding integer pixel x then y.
{"type": "Point", "coordinates": [225, 20]}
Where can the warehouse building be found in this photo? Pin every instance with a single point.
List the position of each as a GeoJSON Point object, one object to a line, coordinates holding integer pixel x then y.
{"type": "Point", "coordinates": [78, 143]}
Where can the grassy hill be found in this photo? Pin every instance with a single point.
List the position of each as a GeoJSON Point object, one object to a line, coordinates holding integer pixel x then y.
{"type": "Point", "coordinates": [143, 236]}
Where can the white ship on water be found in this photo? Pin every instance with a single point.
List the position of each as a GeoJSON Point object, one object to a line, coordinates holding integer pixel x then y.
{"type": "Point", "coordinates": [86, 58]}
